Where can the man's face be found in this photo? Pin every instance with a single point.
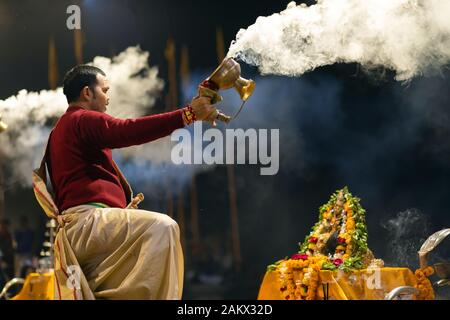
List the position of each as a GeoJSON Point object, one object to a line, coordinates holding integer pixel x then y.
{"type": "Point", "coordinates": [100, 99]}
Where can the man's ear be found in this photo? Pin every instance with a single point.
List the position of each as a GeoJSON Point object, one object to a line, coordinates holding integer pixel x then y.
{"type": "Point", "coordinates": [86, 93]}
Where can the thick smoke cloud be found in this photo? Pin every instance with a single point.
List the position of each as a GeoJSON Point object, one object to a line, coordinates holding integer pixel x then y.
{"type": "Point", "coordinates": [411, 37]}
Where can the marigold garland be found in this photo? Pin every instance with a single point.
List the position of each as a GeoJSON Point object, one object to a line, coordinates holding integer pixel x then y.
{"type": "Point", "coordinates": [423, 284]}
{"type": "Point", "coordinates": [299, 278]}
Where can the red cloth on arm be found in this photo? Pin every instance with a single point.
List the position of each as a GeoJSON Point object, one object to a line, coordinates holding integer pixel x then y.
{"type": "Point", "coordinates": [80, 157]}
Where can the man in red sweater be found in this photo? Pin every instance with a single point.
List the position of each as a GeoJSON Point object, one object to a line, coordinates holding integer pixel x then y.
{"type": "Point", "coordinates": [105, 248]}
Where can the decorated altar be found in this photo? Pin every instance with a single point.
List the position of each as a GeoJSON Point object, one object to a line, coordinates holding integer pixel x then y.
{"type": "Point", "coordinates": [334, 262]}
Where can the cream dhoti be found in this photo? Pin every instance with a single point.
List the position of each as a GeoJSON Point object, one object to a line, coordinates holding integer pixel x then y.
{"type": "Point", "coordinates": [113, 253]}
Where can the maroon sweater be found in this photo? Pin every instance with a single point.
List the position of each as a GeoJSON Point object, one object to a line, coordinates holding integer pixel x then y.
{"type": "Point", "coordinates": [80, 159]}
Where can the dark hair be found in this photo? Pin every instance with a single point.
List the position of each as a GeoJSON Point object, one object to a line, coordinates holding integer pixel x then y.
{"type": "Point", "coordinates": [79, 77]}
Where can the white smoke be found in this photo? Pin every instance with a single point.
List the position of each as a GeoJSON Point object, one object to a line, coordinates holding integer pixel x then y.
{"type": "Point", "coordinates": [411, 37]}
{"type": "Point", "coordinates": [134, 85]}
{"type": "Point", "coordinates": [407, 232]}
{"type": "Point", "coordinates": [30, 115]}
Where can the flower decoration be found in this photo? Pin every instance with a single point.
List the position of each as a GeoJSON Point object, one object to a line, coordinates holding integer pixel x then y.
{"type": "Point", "coordinates": [423, 284]}
{"type": "Point", "coordinates": [342, 216]}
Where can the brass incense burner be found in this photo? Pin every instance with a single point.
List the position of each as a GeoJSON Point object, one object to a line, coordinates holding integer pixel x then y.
{"type": "Point", "coordinates": [442, 269]}
{"type": "Point", "coordinates": [226, 76]}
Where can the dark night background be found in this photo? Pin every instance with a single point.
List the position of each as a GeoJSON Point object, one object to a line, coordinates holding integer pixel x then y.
{"type": "Point", "coordinates": [389, 142]}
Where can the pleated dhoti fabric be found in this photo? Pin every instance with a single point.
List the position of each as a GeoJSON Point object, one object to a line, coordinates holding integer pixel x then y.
{"type": "Point", "coordinates": [113, 253]}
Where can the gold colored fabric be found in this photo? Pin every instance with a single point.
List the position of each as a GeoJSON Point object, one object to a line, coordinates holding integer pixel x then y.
{"type": "Point", "coordinates": [367, 284]}
{"type": "Point", "coordinates": [42, 195]}
{"type": "Point", "coordinates": [37, 286]}
{"type": "Point", "coordinates": [123, 254]}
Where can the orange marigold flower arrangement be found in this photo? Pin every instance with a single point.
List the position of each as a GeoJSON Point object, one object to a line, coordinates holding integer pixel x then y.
{"type": "Point", "coordinates": [342, 216]}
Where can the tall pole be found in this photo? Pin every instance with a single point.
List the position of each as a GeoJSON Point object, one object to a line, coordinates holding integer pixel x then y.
{"type": "Point", "coordinates": [194, 223]}
{"type": "Point", "coordinates": [184, 75]}
{"type": "Point", "coordinates": [237, 259]}
{"type": "Point", "coordinates": [195, 229]}
{"type": "Point", "coordinates": [169, 196]}
{"type": "Point", "coordinates": [78, 45]}
{"type": "Point", "coordinates": [184, 67]}
{"type": "Point", "coordinates": [181, 217]}
{"type": "Point", "coordinates": [172, 74]}
{"type": "Point", "coordinates": [52, 64]}
{"type": "Point", "coordinates": [169, 54]}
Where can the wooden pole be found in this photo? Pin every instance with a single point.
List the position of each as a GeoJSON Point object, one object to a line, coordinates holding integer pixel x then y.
{"type": "Point", "coordinates": [236, 246]}
{"type": "Point", "coordinates": [181, 217]}
{"type": "Point", "coordinates": [194, 219]}
{"type": "Point", "coordinates": [52, 64]}
{"type": "Point", "coordinates": [184, 67]}
{"type": "Point", "coordinates": [169, 54]}
{"type": "Point", "coordinates": [184, 75]}
{"type": "Point", "coordinates": [194, 223]}
{"type": "Point", "coordinates": [170, 210]}
{"type": "Point", "coordinates": [234, 218]}
{"type": "Point", "coordinates": [78, 45]}
{"type": "Point", "coordinates": [220, 45]}
{"type": "Point", "coordinates": [172, 73]}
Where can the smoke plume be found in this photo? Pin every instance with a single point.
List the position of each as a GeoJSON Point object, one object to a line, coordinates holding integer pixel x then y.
{"type": "Point", "coordinates": [410, 37]}
{"type": "Point", "coordinates": [407, 232]}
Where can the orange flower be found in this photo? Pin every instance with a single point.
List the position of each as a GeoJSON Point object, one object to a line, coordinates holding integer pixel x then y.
{"type": "Point", "coordinates": [424, 285]}
{"type": "Point", "coordinates": [419, 274]}
{"type": "Point", "coordinates": [428, 271]}
{"type": "Point", "coordinates": [347, 206]}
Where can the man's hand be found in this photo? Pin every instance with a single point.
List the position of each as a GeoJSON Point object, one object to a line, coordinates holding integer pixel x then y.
{"type": "Point", "coordinates": [203, 110]}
